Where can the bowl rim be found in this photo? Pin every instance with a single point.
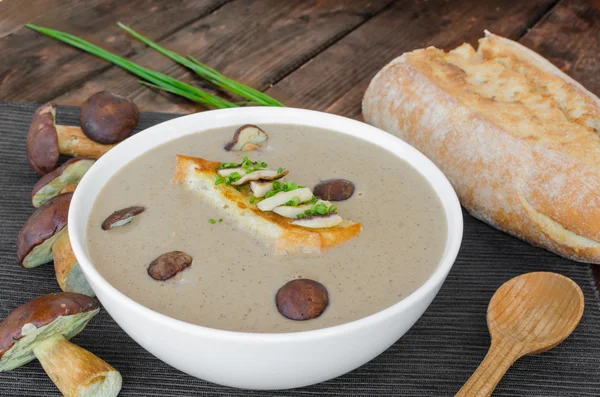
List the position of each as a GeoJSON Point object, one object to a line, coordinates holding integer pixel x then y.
{"type": "Point", "coordinates": [268, 115]}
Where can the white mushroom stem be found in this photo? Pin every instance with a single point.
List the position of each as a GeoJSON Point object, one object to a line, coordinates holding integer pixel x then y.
{"type": "Point", "coordinates": [229, 171]}
{"type": "Point", "coordinates": [319, 222]}
{"type": "Point", "coordinates": [293, 212]}
{"type": "Point", "coordinates": [268, 175]}
{"type": "Point", "coordinates": [73, 142]}
{"type": "Point", "coordinates": [260, 189]}
{"type": "Point", "coordinates": [75, 371]}
{"type": "Point", "coordinates": [304, 194]}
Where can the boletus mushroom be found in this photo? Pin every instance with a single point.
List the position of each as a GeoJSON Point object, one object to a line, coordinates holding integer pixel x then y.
{"type": "Point", "coordinates": [122, 217]}
{"type": "Point", "coordinates": [62, 179]}
{"type": "Point", "coordinates": [46, 140]}
{"type": "Point", "coordinates": [302, 299]}
{"type": "Point", "coordinates": [69, 276]}
{"type": "Point", "coordinates": [168, 265]}
{"type": "Point", "coordinates": [334, 190]}
{"type": "Point", "coordinates": [44, 226]}
{"type": "Point", "coordinates": [247, 137]}
{"type": "Point", "coordinates": [42, 328]}
{"type": "Point", "coordinates": [108, 118]}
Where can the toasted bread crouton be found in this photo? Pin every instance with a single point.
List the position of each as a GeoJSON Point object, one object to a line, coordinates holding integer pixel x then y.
{"type": "Point", "coordinates": [199, 175]}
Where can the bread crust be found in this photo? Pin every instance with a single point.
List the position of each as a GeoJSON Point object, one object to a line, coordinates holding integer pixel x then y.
{"type": "Point", "coordinates": [517, 138]}
{"type": "Point", "coordinates": [199, 175]}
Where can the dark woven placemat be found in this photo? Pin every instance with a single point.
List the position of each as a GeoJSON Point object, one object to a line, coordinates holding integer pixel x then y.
{"type": "Point", "coordinates": [433, 359]}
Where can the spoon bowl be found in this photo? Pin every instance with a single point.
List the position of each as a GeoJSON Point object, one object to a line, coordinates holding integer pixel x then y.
{"type": "Point", "coordinates": [529, 314]}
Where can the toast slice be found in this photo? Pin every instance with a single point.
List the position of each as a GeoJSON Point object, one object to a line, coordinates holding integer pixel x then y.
{"type": "Point", "coordinates": [199, 175]}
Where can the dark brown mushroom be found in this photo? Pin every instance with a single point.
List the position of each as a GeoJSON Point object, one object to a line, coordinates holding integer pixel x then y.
{"type": "Point", "coordinates": [121, 217]}
{"type": "Point", "coordinates": [34, 244]}
{"type": "Point", "coordinates": [334, 190]}
{"type": "Point", "coordinates": [42, 328]}
{"type": "Point", "coordinates": [46, 140]}
{"type": "Point", "coordinates": [302, 299]}
{"type": "Point", "coordinates": [247, 137]}
{"type": "Point", "coordinates": [55, 182]}
{"type": "Point", "coordinates": [168, 265]}
{"type": "Point", "coordinates": [108, 118]}
{"type": "Point", "coordinates": [68, 273]}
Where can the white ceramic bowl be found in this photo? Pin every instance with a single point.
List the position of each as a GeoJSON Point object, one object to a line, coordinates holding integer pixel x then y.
{"type": "Point", "coordinates": [253, 360]}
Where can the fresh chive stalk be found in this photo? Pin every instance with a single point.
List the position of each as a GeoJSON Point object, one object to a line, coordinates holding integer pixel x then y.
{"type": "Point", "coordinates": [156, 79]}
{"type": "Point", "coordinates": [208, 73]}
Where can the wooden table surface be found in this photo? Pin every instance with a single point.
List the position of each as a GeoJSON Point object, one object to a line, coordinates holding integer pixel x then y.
{"type": "Point", "coordinates": [309, 54]}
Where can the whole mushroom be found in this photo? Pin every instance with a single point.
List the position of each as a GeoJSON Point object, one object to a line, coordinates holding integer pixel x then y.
{"type": "Point", "coordinates": [62, 179]}
{"type": "Point", "coordinates": [42, 328]}
{"type": "Point", "coordinates": [44, 226]}
{"type": "Point", "coordinates": [108, 118]}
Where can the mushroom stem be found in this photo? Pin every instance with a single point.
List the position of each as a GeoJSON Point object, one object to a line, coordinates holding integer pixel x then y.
{"type": "Point", "coordinates": [73, 142]}
{"type": "Point", "coordinates": [75, 371]}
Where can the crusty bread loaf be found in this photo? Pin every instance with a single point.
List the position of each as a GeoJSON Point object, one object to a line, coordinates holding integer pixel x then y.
{"type": "Point", "coordinates": [518, 139]}
{"type": "Point", "coordinates": [199, 175]}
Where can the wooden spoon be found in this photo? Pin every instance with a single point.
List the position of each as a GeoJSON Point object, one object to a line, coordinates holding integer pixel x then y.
{"type": "Point", "coordinates": [529, 314]}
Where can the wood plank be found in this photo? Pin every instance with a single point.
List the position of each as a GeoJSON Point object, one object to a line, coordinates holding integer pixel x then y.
{"type": "Point", "coordinates": [569, 37]}
{"type": "Point", "coordinates": [255, 42]}
{"type": "Point", "coordinates": [37, 68]}
{"type": "Point", "coordinates": [13, 15]}
{"type": "Point", "coordinates": [335, 80]}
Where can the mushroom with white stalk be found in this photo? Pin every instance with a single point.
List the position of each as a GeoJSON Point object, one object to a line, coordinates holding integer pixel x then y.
{"type": "Point", "coordinates": [68, 273]}
{"type": "Point", "coordinates": [290, 211]}
{"type": "Point", "coordinates": [303, 194]}
{"type": "Point", "coordinates": [42, 328]}
{"type": "Point", "coordinates": [319, 221]}
{"type": "Point", "coordinates": [46, 140]}
{"type": "Point", "coordinates": [247, 137]}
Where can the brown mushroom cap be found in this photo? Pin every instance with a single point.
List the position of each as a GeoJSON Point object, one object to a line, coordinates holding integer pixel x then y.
{"type": "Point", "coordinates": [42, 141]}
{"type": "Point", "coordinates": [122, 217]}
{"type": "Point", "coordinates": [28, 323]}
{"type": "Point", "coordinates": [334, 190]}
{"type": "Point", "coordinates": [302, 299]}
{"type": "Point", "coordinates": [34, 244]}
{"type": "Point", "coordinates": [108, 118]}
{"type": "Point", "coordinates": [53, 183]}
{"type": "Point", "coordinates": [168, 265]}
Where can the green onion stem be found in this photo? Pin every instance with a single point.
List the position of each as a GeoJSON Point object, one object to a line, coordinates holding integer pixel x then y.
{"type": "Point", "coordinates": [208, 73]}
{"type": "Point", "coordinates": [158, 80]}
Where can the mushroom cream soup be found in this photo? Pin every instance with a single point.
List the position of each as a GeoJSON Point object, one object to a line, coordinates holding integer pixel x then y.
{"type": "Point", "coordinates": [192, 258]}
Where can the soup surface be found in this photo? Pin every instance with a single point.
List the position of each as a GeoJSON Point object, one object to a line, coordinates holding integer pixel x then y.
{"type": "Point", "coordinates": [234, 277]}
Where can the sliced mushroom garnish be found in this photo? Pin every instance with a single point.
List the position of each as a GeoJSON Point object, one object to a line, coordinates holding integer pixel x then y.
{"type": "Point", "coordinates": [247, 137]}
{"type": "Point", "coordinates": [168, 265]}
{"type": "Point", "coordinates": [260, 175]}
{"type": "Point", "coordinates": [334, 189]}
{"type": "Point", "coordinates": [289, 211]}
{"type": "Point", "coordinates": [304, 194]}
{"type": "Point", "coordinates": [302, 299]}
{"type": "Point", "coordinates": [121, 217]}
{"type": "Point", "coordinates": [260, 189]}
{"type": "Point", "coordinates": [319, 221]}
{"type": "Point", "coordinates": [229, 171]}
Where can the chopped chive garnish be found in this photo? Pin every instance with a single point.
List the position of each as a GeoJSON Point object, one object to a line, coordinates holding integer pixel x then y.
{"type": "Point", "coordinates": [235, 176]}
{"type": "Point", "coordinates": [212, 221]}
{"type": "Point", "coordinates": [333, 208]}
{"type": "Point", "coordinates": [252, 200]}
{"type": "Point", "coordinates": [300, 215]}
{"type": "Point", "coordinates": [228, 180]}
{"type": "Point", "coordinates": [279, 170]}
{"type": "Point", "coordinates": [263, 165]}
{"type": "Point", "coordinates": [271, 193]}
{"type": "Point", "coordinates": [228, 165]}
{"type": "Point", "coordinates": [314, 200]}
{"type": "Point", "coordinates": [219, 180]}
{"type": "Point", "coordinates": [220, 220]}
{"type": "Point", "coordinates": [293, 202]}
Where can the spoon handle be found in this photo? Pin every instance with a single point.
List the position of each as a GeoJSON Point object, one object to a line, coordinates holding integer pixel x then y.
{"type": "Point", "coordinates": [493, 367]}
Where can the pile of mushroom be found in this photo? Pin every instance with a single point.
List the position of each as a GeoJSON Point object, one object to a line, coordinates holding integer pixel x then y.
{"type": "Point", "coordinates": [106, 119]}
{"type": "Point", "coordinates": [42, 328]}
{"type": "Point", "coordinates": [308, 209]}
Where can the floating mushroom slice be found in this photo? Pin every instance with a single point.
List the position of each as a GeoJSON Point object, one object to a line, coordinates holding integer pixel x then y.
{"type": "Point", "coordinates": [302, 299]}
{"type": "Point", "coordinates": [168, 265]}
{"type": "Point", "coordinates": [108, 118]}
{"type": "Point", "coordinates": [289, 211]}
{"type": "Point", "coordinates": [260, 175]}
{"type": "Point", "coordinates": [34, 244]}
{"type": "Point", "coordinates": [41, 329]}
{"type": "Point", "coordinates": [319, 221]}
{"type": "Point", "coordinates": [53, 183]}
{"type": "Point", "coordinates": [334, 190]}
{"type": "Point", "coordinates": [247, 137]}
{"type": "Point", "coordinates": [69, 275]}
{"type": "Point", "coordinates": [260, 189]}
{"type": "Point", "coordinates": [121, 217]}
{"type": "Point", "coordinates": [46, 140]}
{"type": "Point", "coordinates": [304, 194]}
{"type": "Point", "coordinates": [228, 171]}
